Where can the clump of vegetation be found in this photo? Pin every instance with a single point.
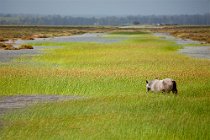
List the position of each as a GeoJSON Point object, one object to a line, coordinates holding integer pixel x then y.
{"type": "Point", "coordinates": [11, 47]}
{"type": "Point", "coordinates": [26, 46]}
{"type": "Point", "coordinates": [27, 38]}
{"type": "Point", "coordinates": [7, 46]}
{"type": "Point", "coordinates": [42, 36]}
{"type": "Point", "coordinates": [2, 45]}
{"type": "Point", "coordinates": [3, 39]}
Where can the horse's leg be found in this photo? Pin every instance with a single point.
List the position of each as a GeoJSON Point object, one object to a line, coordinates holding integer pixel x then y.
{"type": "Point", "coordinates": [163, 91]}
{"type": "Point", "coordinates": [147, 91]}
{"type": "Point", "coordinates": [175, 92]}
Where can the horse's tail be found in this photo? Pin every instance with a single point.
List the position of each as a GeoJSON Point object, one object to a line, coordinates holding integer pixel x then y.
{"type": "Point", "coordinates": [174, 89]}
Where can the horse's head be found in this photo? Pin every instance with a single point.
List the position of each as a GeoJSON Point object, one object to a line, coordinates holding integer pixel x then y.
{"type": "Point", "coordinates": [148, 86]}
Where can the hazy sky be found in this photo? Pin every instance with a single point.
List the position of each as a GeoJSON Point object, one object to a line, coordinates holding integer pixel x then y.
{"type": "Point", "coordinates": [105, 7]}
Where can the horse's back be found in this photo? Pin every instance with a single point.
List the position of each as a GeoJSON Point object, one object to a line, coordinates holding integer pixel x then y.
{"type": "Point", "coordinates": [169, 80]}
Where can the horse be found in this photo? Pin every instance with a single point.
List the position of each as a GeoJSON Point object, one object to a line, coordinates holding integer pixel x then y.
{"type": "Point", "coordinates": [165, 86]}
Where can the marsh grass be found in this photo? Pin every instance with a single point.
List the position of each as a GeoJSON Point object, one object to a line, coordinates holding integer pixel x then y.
{"type": "Point", "coordinates": [115, 117]}
{"type": "Point", "coordinates": [25, 46]}
{"type": "Point", "coordinates": [31, 32]}
{"type": "Point", "coordinates": [113, 77]}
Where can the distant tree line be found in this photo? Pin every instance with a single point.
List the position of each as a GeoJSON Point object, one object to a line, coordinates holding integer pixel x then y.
{"type": "Point", "coordinates": [18, 19]}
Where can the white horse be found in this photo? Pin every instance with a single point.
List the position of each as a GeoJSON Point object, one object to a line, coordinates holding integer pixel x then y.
{"type": "Point", "coordinates": [165, 85]}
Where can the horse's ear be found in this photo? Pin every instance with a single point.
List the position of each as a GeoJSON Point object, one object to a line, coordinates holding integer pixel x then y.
{"type": "Point", "coordinates": [146, 81]}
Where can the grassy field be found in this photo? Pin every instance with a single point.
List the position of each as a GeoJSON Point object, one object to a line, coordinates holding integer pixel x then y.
{"type": "Point", "coordinates": [112, 76]}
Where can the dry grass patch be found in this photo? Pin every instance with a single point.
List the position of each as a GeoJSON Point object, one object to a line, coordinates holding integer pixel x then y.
{"type": "Point", "coordinates": [2, 45]}
{"type": "Point", "coordinates": [26, 46]}
{"type": "Point", "coordinates": [10, 47]}
{"type": "Point", "coordinates": [197, 33]}
{"type": "Point", "coordinates": [3, 39]}
{"type": "Point", "coordinates": [30, 32]}
{"type": "Point", "coordinates": [27, 38]}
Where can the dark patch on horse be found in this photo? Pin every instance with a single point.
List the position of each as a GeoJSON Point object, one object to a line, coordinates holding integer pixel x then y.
{"type": "Point", "coordinates": [174, 89]}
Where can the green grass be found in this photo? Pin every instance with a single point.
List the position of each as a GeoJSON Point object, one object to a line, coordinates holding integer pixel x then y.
{"type": "Point", "coordinates": [114, 117]}
{"type": "Point", "coordinates": [112, 76]}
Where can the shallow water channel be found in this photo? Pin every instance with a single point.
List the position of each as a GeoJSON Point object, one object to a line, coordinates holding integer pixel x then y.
{"type": "Point", "coordinates": [8, 103]}
{"type": "Point", "coordinates": [197, 51]}
{"type": "Point", "coordinates": [8, 55]}
{"type": "Point", "coordinates": [87, 37]}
